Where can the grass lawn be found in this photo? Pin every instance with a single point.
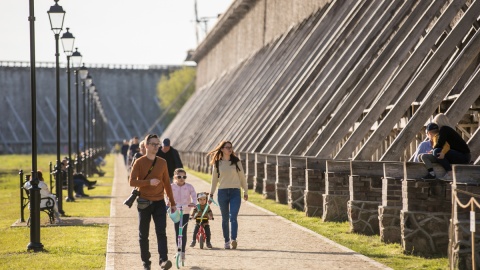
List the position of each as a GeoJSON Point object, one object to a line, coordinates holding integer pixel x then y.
{"type": "Point", "coordinates": [69, 247]}
{"type": "Point", "coordinates": [389, 254]}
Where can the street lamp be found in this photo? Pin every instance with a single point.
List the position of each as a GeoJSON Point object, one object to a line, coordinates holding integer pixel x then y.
{"type": "Point", "coordinates": [91, 90]}
{"type": "Point", "coordinates": [67, 42]}
{"type": "Point", "coordinates": [56, 14]}
{"type": "Point", "coordinates": [83, 72]}
{"type": "Point", "coordinates": [35, 243]}
{"type": "Point", "coordinates": [86, 86]}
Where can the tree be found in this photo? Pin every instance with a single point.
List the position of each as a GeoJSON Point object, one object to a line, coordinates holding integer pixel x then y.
{"type": "Point", "coordinates": [173, 91]}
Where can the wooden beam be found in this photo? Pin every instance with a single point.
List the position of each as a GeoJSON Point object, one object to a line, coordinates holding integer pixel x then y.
{"type": "Point", "coordinates": [334, 132]}
{"type": "Point", "coordinates": [329, 63]}
{"type": "Point", "coordinates": [316, 42]}
{"type": "Point", "coordinates": [334, 89]}
{"type": "Point", "coordinates": [395, 151]}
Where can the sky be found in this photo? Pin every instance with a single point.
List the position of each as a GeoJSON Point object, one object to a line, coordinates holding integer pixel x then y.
{"type": "Point", "coordinates": [142, 32]}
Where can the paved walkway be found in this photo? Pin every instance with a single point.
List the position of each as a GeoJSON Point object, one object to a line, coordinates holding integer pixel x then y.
{"type": "Point", "coordinates": [265, 240]}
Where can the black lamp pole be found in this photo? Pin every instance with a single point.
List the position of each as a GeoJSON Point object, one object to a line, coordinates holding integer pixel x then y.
{"type": "Point", "coordinates": [35, 243]}
{"type": "Point", "coordinates": [89, 126]}
{"type": "Point", "coordinates": [56, 15]}
{"type": "Point", "coordinates": [86, 86]}
{"type": "Point", "coordinates": [67, 41]}
{"type": "Point", "coordinates": [83, 72]}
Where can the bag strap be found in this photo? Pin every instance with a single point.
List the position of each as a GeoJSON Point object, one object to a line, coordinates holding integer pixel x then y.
{"type": "Point", "coordinates": [151, 168]}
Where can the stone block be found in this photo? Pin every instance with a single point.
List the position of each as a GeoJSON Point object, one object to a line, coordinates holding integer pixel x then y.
{"type": "Point", "coordinates": [296, 198]}
{"type": "Point", "coordinates": [363, 217]}
{"type": "Point", "coordinates": [335, 207]}
{"type": "Point", "coordinates": [425, 233]}
{"type": "Point", "coordinates": [389, 224]}
{"type": "Point", "coordinates": [313, 203]}
{"type": "Point", "coordinates": [281, 193]}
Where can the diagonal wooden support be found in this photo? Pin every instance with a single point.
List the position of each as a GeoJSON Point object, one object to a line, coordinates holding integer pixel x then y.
{"type": "Point", "coordinates": [435, 97]}
{"type": "Point", "coordinates": [278, 90]}
{"type": "Point", "coordinates": [312, 61]}
{"type": "Point", "coordinates": [334, 86]}
{"type": "Point", "coordinates": [334, 132]}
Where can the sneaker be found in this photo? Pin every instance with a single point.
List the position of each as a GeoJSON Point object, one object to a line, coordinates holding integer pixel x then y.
{"type": "Point", "coordinates": [209, 245]}
{"type": "Point", "coordinates": [447, 177]}
{"type": "Point", "coordinates": [227, 245]}
{"type": "Point", "coordinates": [165, 264]}
{"type": "Point", "coordinates": [193, 243]}
{"type": "Point", "coordinates": [90, 187]}
{"type": "Point", "coordinates": [429, 176]}
{"type": "Point", "coordinates": [234, 244]}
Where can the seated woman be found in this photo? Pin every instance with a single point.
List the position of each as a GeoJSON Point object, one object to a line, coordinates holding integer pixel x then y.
{"type": "Point", "coordinates": [45, 193]}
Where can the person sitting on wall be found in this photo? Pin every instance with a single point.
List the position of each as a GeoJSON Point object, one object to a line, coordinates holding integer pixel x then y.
{"type": "Point", "coordinates": [448, 148]}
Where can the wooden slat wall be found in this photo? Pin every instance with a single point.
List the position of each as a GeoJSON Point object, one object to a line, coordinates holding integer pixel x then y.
{"type": "Point", "coordinates": [318, 89]}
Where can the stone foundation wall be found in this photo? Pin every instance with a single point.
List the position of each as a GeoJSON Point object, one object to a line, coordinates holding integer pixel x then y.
{"type": "Point", "coordinates": [363, 217]}
{"type": "Point", "coordinates": [259, 173]}
{"type": "Point", "coordinates": [460, 250]}
{"type": "Point", "coordinates": [270, 168]}
{"type": "Point", "coordinates": [389, 224]}
{"type": "Point", "coordinates": [315, 188]}
{"type": "Point", "coordinates": [296, 187]}
{"type": "Point", "coordinates": [336, 197]}
{"type": "Point", "coordinates": [250, 169]}
{"type": "Point", "coordinates": [283, 179]}
{"type": "Point", "coordinates": [425, 233]}
{"type": "Point", "coordinates": [335, 207]}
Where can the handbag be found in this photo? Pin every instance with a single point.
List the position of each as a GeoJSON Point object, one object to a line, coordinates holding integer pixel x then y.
{"type": "Point", "coordinates": [141, 202]}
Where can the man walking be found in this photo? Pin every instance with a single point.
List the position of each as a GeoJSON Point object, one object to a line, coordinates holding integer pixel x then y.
{"type": "Point", "coordinates": [172, 157]}
{"type": "Point", "coordinates": [150, 174]}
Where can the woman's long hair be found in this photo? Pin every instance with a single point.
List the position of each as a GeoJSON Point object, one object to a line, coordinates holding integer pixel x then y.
{"type": "Point", "coordinates": [442, 120]}
{"type": "Point", "coordinates": [217, 154]}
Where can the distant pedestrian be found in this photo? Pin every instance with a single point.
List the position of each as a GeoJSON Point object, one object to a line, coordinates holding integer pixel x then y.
{"type": "Point", "coordinates": [142, 152]}
{"type": "Point", "coordinates": [134, 147]}
{"type": "Point", "coordinates": [124, 151]}
{"type": "Point", "coordinates": [172, 157]}
{"type": "Point", "coordinates": [229, 175]}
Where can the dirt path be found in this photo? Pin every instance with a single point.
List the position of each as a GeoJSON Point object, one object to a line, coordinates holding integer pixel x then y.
{"type": "Point", "coordinates": [265, 240]}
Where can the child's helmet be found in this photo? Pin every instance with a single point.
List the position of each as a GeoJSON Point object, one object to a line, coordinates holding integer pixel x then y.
{"type": "Point", "coordinates": [202, 195]}
{"type": "Point", "coordinates": [175, 216]}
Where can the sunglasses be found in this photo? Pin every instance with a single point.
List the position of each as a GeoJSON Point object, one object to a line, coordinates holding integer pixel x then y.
{"type": "Point", "coordinates": [181, 176]}
{"type": "Point", "coordinates": [228, 147]}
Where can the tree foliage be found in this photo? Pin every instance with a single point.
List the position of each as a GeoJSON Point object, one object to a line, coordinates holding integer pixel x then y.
{"type": "Point", "coordinates": [172, 91]}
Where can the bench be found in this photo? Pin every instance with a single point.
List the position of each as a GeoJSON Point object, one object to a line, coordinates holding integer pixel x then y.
{"type": "Point", "coordinates": [46, 204]}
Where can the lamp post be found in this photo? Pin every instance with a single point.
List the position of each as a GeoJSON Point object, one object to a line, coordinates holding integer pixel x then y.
{"type": "Point", "coordinates": [91, 90]}
{"type": "Point", "coordinates": [35, 243]}
{"type": "Point", "coordinates": [88, 82]}
{"type": "Point", "coordinates": [56, 15]}
{"type": "Point", "coordinates": [67, 42]}
{"type": "Point", "coordinates": [83, 72]}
